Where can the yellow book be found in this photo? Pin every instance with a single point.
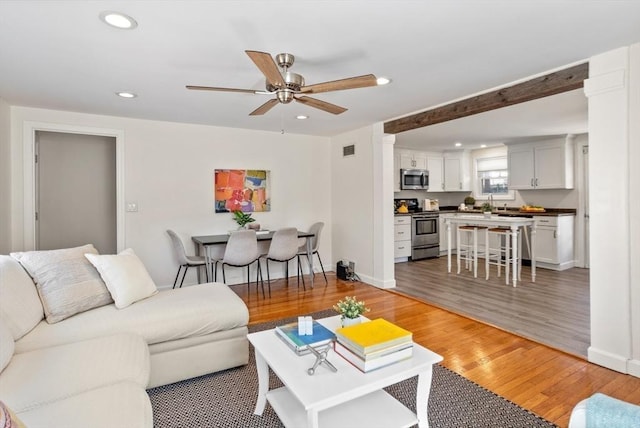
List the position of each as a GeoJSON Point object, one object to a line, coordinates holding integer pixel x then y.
{"type": "Point", "coordinates": [372, 336]}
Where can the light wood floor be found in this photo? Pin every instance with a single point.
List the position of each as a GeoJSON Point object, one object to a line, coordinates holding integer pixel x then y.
{"type": "Point", "coordinates": [554, 310]}
{"type": "Point", "coordinates": [536, 377]}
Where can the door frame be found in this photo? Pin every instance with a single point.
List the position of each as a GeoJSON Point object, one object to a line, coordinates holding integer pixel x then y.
{"type": "Point", "coordinates": [582, 213]}
{"type": "Point", "coordinates": [29, 176]}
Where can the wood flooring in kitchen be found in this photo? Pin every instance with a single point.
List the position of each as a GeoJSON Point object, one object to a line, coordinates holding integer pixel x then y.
{"type": "Point", "coordinates": [553, 311]}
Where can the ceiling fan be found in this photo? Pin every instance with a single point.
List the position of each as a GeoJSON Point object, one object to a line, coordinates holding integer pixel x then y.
{"type": "Point", "coordinates": [288, 86]}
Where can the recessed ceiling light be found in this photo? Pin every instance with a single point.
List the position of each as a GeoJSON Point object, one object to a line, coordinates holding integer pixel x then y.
{"type": "Point", "coordinates": [118, 20]}
{"type": "Point", "coordinates": [383, 80]}
{"type": "Point", "coordinates": [126, 94]}
{"type": "Point", "coordinates": [483, 146]}
{"type": "Point", "coordinates": [458, 144]}
{"type": "Point", "coordinates": [302, 117]}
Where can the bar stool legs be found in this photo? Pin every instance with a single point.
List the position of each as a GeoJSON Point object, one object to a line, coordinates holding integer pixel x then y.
{"type": "Point", "coordinates": [468, 250]}
{"type": "Point", "coordinates": [502, 254]}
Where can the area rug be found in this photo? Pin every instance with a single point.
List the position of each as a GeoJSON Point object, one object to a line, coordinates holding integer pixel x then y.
{"type": "Point", "coordinates": [227, 399]}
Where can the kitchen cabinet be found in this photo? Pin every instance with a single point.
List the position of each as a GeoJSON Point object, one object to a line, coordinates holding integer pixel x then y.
{"type": "Point", "coordinates": [410, 159]}
{"type": "Point", "coordinates": [546, 164]}
{"type": "Point", "coordinates": [435, 165]}
{"type": "Point", "coordinates": [554, 242]}
{"type": "Point", "coordinates": [402, 239]}
{"type": "Point", "coordinates": [457, 167]}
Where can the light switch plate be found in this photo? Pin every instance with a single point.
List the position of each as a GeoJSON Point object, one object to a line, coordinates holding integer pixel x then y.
{"type": "Point", "coordinates": [132, 207]}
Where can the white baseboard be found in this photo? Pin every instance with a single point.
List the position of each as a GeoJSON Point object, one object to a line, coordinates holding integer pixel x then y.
{"type": "Point", "coordinates": [633, 367]}
{"type": "Point", "coordinates": [377, 283]}
{"type": "Point", "coordinates": [607, 359]}
{"type": "Point", "coordinates": [551, 266]}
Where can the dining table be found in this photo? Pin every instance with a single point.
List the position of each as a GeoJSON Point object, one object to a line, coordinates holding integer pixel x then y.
{"type": "Point", "coordinates": [514, 223]}
{"type": "Point", "coordinates": [206, 242]}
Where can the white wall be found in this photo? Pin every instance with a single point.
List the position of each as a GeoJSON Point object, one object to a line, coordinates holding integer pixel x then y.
{"type": "Point", "coordinates": [352, 201]}
{"type": "Point", "coordinates": [614, 138]}
{"type": "Point", "coordinates": [169, 174]}
{"type": "Point", "coordinates": [5, 177]}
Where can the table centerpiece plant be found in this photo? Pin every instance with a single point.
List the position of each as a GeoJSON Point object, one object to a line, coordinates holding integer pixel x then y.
{"type": "Point", "coordinates": [242, 218]}
{"type": "Point", "coordinates": [350, 310]}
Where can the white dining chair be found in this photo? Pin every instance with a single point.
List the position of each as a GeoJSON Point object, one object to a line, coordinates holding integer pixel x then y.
{"type": "Point", "coordinates": [316, 229]}
{"type": "Point", "coordinates": [185, 261]}
{"type": "Point", "coordinates": [283, 248]}
{"type": "Point", "coordinates": [242, 251]}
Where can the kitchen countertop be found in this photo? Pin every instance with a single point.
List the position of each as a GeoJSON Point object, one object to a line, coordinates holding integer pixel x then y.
{"type": "Point", "coordinates": [514, 212]}
{"type": "Point", "coordinates": [509, 212]}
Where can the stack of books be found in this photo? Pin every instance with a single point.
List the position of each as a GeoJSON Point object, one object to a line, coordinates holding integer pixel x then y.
{"type": "Point", "coordinates": [299, 343]}
{"type": "Point", "coordinates": [374, 344]}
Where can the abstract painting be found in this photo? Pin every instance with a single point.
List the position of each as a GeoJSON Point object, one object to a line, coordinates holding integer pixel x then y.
{"type": "Point", "coordinates": [246, 190]}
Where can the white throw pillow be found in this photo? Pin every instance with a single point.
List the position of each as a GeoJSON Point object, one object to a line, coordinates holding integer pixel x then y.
{"type": "Point", "coordinates": [66, 282]}
{"type": "Point", "coordinates": [126, 277]}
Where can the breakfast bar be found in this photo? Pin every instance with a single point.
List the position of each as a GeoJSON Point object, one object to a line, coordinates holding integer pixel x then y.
{"type": "Point", "coordinates": [514, 223]}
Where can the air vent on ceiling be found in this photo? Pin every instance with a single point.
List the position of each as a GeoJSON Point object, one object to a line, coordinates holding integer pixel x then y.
{"type": "Point", "coordinates": [349, 150]}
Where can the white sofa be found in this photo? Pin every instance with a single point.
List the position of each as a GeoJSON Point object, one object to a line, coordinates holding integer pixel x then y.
{"type": "Point", "coordinates": [92, 368]}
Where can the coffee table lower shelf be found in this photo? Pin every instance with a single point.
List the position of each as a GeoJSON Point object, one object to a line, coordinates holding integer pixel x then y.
{"type": "Point", "coordinates": [377, 409]}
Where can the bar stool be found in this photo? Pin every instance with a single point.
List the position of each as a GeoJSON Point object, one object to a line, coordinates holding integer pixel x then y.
{"type": "Point", "coordinates": [468, 250]}
{"type": "Point", "coordinates": [503, 254]}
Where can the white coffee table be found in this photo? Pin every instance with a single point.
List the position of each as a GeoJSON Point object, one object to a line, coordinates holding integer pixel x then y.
{"type": "Point", "coordinates": [346, 398]}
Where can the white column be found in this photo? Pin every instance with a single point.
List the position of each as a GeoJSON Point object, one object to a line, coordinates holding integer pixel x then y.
{"type": "Point", "coordinates": [614, 231]}
{"type": "Point", "coordinates": [383, 237]}
{"type": "Point", "coordinates": [633, 366]}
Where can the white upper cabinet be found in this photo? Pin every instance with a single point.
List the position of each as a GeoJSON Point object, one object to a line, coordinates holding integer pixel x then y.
{"type": "Point", "coordinates": [435, 165]}
{"type": "Point", "coordinates": [413, 160]}
{"type": "Point", "coordinates": [546, 164]}
{"type": "Point", "coordinates": [457, 169]}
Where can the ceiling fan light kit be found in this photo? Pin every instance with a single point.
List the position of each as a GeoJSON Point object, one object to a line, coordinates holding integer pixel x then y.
{"type": "Point", "coordinates": [287, 86]}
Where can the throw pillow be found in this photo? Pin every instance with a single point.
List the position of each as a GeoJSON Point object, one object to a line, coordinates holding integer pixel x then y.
{"type": "Point", "coordinates": [65, 280]}
{"type": "Point", "coordinates": [126, 277]}
{"type": "Point", "coordinates": [8, 418]}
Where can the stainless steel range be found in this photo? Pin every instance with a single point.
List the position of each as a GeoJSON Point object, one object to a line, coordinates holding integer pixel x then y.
{"type": "Point", "coordinates": [425, 235]}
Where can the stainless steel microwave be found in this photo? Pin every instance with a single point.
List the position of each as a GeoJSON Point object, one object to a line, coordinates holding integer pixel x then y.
{"type": "Point", "coordinates": [414, 179]}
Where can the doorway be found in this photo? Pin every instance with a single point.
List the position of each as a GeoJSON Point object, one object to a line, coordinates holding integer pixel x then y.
{"type": "Point", "coordinates": [75, 191]}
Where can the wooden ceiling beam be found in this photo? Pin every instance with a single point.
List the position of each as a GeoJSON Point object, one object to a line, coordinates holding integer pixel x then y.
{"type": "Point", "coordinates": [539, 87]}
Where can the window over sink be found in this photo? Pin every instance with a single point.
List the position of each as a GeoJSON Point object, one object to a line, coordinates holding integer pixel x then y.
{"type": "Point", "coordinates": [491, 178]}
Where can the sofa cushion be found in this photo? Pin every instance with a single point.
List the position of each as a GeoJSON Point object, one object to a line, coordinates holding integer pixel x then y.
{"type": "Point", "coordinates": [126, 277]}
{"type": "Point", "coordinates": [7, 346]}
{"type": "Point", "coordinates": [35, 378]}
{"type": "Point", "coordinates": [191, 311]}
{"type": "Point", "coordinates": [20, 306]}
{"type": "Point", "coordinates": [124, 404]}
{"type": "Point", "coordinates": [66, 281]}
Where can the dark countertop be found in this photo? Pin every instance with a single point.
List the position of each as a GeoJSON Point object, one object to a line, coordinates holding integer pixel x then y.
{"type": "Point", "coordinates": [515, 212]}
{"type": "Point", "coordinates": [509, 212]}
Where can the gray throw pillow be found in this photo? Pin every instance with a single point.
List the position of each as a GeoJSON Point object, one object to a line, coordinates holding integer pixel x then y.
{"type": "Point", "coordinates": [66, 282]}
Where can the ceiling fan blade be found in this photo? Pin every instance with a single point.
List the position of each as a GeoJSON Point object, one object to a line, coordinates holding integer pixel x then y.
{"type": "Point", "coordinates": [268, 67]}
{"type": "Point", "coordinates": [322, 105]}
{"type": "Point", "coordinates": [264, 107]}
{"type": "Point", "coordinates": [339, 85]}
{"type": "Point", "coordinates": [212, 88]}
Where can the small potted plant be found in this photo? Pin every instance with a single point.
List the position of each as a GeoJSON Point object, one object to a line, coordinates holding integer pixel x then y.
{"type": "Point", "coordinates": [242, 218]}
{"type": "Point", "coordinates": [350, 310]}
{"type": "Point", "coordinates": [486, 209]}
{"type": "Point", "coordinates": [469, 201]}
